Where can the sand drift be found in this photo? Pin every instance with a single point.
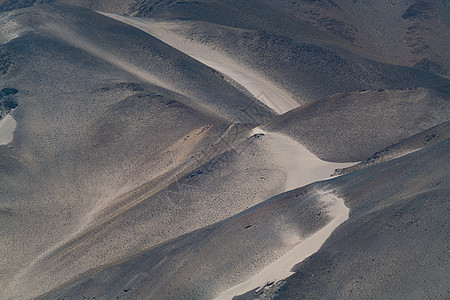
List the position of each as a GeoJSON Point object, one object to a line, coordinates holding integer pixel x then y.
{"type": "Point", "coordinates": [7, 127]}
{"type": "Point", "coordinates": [281, 268]}
{"type": "Point", "coordinates": [264, 90]}
{"type": "Point", "coordinates": [302, 166]}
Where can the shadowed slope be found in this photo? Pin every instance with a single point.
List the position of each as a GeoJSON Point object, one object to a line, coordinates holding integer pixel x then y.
{"type": "Point", "coordinates": [395, 243]}
{"type": "Point", "coordinates": [412, 33]}
{"type": "Point", "coordinates": [305, 62]}
{"type": "Point", "coordinates": [411, 144]}
{"type": "Point", "coordinates": [352, 126]}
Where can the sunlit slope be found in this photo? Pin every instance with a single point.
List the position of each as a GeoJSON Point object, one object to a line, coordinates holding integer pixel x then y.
{"type": "Point", "coordinates": [246, 174]}
{"type": "Point", "coordinates": [387, 213]}
{"type": "Point", "coordinates": [101, 111]}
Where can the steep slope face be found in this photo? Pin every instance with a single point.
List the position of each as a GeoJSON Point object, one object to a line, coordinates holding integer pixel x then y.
{"type": "Point", "coordinates": [253, 81]}
{"type": "Point", "coordinates": [116, 6]}
{"type": "Point", "coordinates": [363, 257]}
{"type": "Point", "coordinates": [412, 33]}
{"type": "Point", "coordinates": [304, 62]}
{"type": "Point", "coordinates": [353, 126]}
{"type": "Point", "coordinates": [126, 176]}
{"type": "Point", "coordinates": [141, 55]}
{"type": "Point", "coordinates": [424, 32]}
{"type": "Point", "coordinates": [394, 245]}
{"type": "Point", "coordinates": [251, 14]}
{"type": "Point", "coordinates": [77, 149]}
{"type": "Point", "coordinates": [168, 68]}
{"type": "Point", "coordinates": [328, 16]}
{"type": "Point", "coordinates": [6, 5]}
{"type": "Point", "coordinates": [411, 144]}
{"type": "Point", "coordinates": [198, 265]}
{"type": "Point", "coordinates": [95, 119]}
{"type": "Point", "coordinates": [250, 172]}
{"type": "Point", "coordinates": [305, 70]}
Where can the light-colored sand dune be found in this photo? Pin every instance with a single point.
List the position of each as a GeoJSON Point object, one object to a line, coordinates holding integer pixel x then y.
{"type": "Point", "coordinates": [302, 167]}
{"type": "Point", "coordinates": [265, 91]}
{"type": "Point", "coordinates": [281, 268]}
{"type": "Point", "coordinates": [7, 127]}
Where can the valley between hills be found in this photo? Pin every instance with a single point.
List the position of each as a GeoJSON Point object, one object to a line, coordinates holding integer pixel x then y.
{"type": "Point", "coordinates": [260, 149]}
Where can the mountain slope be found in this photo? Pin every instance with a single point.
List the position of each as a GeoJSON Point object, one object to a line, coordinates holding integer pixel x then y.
{"type": "Point", "coordinates": [406, 210]}
{"type": "Point", "coordinates": [174, 149]}
{"type": "Point", "coordinates": [91, 125]}
{"type": "Point", "coordinates": [353, 126]}
{"type": "Point", "coordinates": [411, 33]}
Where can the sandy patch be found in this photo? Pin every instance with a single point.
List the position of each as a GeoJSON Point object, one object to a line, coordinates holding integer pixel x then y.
{"type": "Point", "coordinates": [264, 90]}
{"type": "Point", "coordinates": [7, 127]}
{"type": "Point", "coordinates": [302, 167]}
{"type": "Point", "coordinates": [281, 268]}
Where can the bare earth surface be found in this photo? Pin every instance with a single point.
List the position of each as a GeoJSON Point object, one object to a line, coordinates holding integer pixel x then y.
{"type": "Point", "coordinates": [190, 149]}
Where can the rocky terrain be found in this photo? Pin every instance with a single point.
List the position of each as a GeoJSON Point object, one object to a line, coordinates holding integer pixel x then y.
{"type": "Point", "coordinates": [191, 149]}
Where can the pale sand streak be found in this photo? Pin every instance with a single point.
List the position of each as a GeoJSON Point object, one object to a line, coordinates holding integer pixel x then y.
{"type": "Point", "coordinates": [280, 269]}
{"type": "Point", "coordinates": [9, 29]}
{"type": "Point", "coordinates": [303, 168]}
{"type": "Point", "coordinates": [264, 90]}
{"type": "Point", "coordinates": [306, 168]}
{"type": "Point", "coordinates": [7, 127]}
